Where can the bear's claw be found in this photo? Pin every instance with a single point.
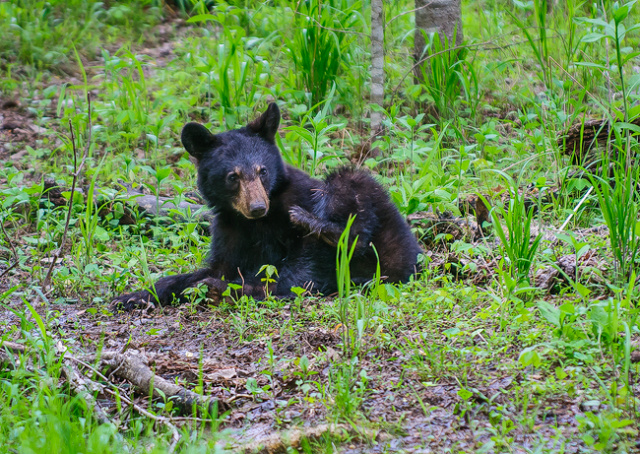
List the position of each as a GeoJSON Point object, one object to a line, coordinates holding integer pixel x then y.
{"type": "Point", "coordinates": [131, 301]}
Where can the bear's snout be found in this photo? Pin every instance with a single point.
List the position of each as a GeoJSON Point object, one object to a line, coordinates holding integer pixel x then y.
{"type": "Point", "coordinates": [252, 200]}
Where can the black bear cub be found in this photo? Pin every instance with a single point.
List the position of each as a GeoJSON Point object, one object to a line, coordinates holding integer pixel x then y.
{"type": "Point", "coordinates": [380, 232]}
{"type": "Point", "coordinates": [267, 212]}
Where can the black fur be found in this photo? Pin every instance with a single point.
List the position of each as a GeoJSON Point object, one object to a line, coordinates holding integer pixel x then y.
{"type": "Point", "coordinates": [299, 228]}
{"type": "Point", "coordinates": [378, 228]}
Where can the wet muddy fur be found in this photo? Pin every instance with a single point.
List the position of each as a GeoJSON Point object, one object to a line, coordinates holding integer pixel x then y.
{"type": "Point", "coordinates": [271, 213]}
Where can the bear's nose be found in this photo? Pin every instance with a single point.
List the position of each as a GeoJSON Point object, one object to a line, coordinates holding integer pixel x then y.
{"type": "Point", "coordinates": [257, 209]}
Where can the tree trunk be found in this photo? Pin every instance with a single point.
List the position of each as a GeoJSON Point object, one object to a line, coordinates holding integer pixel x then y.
{"type": "Point", "coordinates": [377, 65]}
{"type": "Point", "coordinates": [437, 16]}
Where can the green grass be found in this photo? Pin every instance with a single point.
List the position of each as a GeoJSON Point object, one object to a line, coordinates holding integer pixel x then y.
{"type": "Point", "coordinates": [42, 35]}
{"type": "Point", "coordinates": [470, 346]}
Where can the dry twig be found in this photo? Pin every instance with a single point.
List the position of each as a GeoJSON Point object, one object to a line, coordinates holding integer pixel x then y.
{"type": "Point", "coordinates": [85, 388]}
{"type": "Point", "coordinates": [175, 435]}
{"type": "Point", "coordinates": [76, 173]}
{"type": "Point", "coordinates": [13, 250]}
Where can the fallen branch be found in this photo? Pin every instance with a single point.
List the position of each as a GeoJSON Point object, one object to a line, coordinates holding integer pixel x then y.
{"type": "Point", "coordinates": [7, 358]}
{"type": "Point", "coordinates": [150, 204]}
{"type": "Point", "coordinates": [132, 366]}
{"type": "Point", "coordinates": [165, 206]}
{"type": "Point", "coordinates": [280, 441]}
{"type": "Point", "coordinates": [13, 347]}
{"type": "Point", "coordinates": [12, 266]}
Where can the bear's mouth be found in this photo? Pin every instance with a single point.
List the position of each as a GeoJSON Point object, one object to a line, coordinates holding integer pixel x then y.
{"type": "Point", "coordinates": [255, 214]}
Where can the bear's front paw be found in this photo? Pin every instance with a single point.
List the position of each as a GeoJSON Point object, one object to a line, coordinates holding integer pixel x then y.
{"type": "Point", "coordinates": [215, 288]}
{"type": "Point", "coordinates": [136, 300]}
{"type": "Point", "coordinates": [299, 216]}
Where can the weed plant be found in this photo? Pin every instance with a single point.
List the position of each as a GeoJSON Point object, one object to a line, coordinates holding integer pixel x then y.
{"type": "Point", "coordinates": [442, 75]}
{"type": "Point", "coordinates": [515, 236]}
{"type": "Point", "coordinates": [314, 131]}
{"type": "Point", "coordinates": [539, 44]}
{"type": "Point", "coordinates": [233, 76]}
{"type": "Point", "coordinates": [343, 275]}
{"type": "Point", "coordinates": [618, 200]}
{"type": "Point", "coordinates": [321, 39]}
{"type": "Point", "coordinates": [617, 188]}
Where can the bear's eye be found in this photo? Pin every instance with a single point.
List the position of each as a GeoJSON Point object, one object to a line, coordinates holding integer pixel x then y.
{"type": "Point", "coordinates": [232, 177]}
{"type": "Point", "coordinates": [263, 171]}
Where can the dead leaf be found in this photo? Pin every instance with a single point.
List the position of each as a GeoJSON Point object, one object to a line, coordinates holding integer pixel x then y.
{"type": "Point", "coordinates": [221, 374]}
{"type": "Point", "coordinates": [333, 355]}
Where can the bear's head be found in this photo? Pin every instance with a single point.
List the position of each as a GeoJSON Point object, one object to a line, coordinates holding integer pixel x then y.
{"type": "Point", "coordinates": [238, 170]}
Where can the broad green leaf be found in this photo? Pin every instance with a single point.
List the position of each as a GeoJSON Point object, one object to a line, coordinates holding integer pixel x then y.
{"type": "Point", "coordinates": [549, 312]}
{"type": "Point", "coordinates": [202, 18]}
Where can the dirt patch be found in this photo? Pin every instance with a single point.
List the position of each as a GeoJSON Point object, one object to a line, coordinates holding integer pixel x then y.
{"type": "Point", "coordinates": [263, 380]}
{"type": "Point", "coordinates": [17, 130]}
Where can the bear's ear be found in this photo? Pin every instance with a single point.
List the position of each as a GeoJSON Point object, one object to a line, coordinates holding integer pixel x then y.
{"type": "Point", "coordinates": [197, 139]}
{"type": "Point", "coordinates": [266, 125]}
